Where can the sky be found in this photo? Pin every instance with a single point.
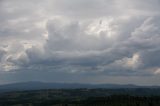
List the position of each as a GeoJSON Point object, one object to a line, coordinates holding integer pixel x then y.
{"type": "Point", "coordinates": [80, 41]}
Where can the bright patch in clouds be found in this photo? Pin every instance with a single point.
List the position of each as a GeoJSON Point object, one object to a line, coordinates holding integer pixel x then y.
{"type": "Point", "coordinates": [101, 27]}
{"type": "Point", "coordinates": [157, 71]}
{"type": "Point", "coordinates": [134, 61]}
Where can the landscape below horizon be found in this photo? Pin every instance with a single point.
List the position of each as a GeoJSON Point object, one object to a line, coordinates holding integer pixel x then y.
{"type": "Point", "coordinates": [82, 97]}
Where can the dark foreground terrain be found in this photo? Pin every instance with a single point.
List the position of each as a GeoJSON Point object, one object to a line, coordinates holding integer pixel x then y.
{"type": "Point", "coordinates": [82, 97]}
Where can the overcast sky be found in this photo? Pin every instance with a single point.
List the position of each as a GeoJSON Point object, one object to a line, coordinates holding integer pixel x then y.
{"type": "Point", "coordinates": [81, 41]}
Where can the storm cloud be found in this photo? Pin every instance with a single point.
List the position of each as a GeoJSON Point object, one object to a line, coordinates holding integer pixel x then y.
{"type": "Point", "coordinates": [86, 41]}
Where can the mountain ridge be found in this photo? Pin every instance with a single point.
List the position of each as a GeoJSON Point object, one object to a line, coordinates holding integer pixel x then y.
{"type": "Point", "coordinates": [48, 85]}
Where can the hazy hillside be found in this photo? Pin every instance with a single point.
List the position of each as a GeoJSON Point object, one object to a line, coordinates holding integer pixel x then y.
{"type": "Point", "coordinates": [40, 85]}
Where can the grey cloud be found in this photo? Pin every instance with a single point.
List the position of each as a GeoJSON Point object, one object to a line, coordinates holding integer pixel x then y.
{"type": "Point", "coordinates": [86, 38]}
{"type": "Point", "coordinates": [65, 47]}
{"type": "Point", "coordinates": [2, 53]}
{"type": "Point", "coordinates": [146, 39]}
{"type": "Point", "coordinates": [74, 8]}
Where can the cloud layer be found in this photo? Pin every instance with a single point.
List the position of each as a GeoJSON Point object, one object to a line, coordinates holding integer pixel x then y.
{"type": "Point", "coordinates": [112, 39]}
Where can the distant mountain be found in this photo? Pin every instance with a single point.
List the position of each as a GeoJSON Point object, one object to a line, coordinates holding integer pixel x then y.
{"type": "Point", "coordinates": [40, 85]}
